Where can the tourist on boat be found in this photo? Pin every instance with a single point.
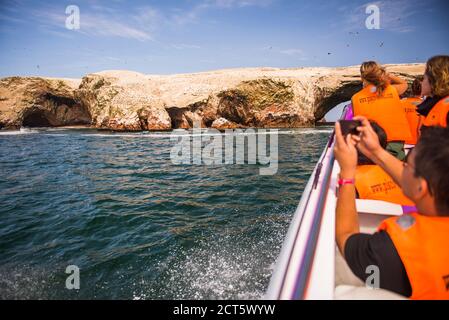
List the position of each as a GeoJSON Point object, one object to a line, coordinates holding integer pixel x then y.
{"type": "Point", "coordinates": [379, 101]}
{"type": "Point", "coordinates": [411, 250]}
{"type": "Point", "coordinates": [372, 182]}
{"type": "Point", "coordinates": [411, 109]}
{"type": "Point", "coordinates": [435, 86]}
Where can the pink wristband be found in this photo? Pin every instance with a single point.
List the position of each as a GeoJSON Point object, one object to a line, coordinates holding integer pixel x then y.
{"type": "Point", "coordinates": [342, 182]}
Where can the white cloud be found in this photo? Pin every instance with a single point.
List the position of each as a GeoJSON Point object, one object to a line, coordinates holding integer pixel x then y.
{"type": "Point", "coordinates": [239, 3]}
{"type": "Point", "coordinates": [187, 16]}
{"type": "Point", "coordinates": [113, 59]}
{"type": "Point", "coordinates": [140, 24]}
{"type": "Point", "coordinates": [183, 46]}
{"type": "Point", "coordinates": [191, 15]}
{"type": "Point", "coordinates": [103, 26]}
{"type": "Point", "coordinates": [297, 54]}
{"type": "Point", "coordinates": [292, 52]}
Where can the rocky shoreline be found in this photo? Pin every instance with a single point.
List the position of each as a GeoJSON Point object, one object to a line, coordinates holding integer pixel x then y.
{"type": "Point", "coordinates": [224, 99]}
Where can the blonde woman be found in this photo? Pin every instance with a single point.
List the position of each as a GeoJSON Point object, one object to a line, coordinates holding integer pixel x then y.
{"type": "Point", "coordinates": [379, 101]}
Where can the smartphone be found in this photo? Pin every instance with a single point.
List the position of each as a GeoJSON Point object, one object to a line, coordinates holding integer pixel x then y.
{"type": "Point", "coordinates": [350, 127]}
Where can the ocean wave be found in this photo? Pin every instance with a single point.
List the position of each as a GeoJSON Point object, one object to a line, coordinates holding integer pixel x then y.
{"type": "Point", "coordinates": [18, 132]}
{"type": "Point", "coordinates": [70, 131]}
{"type": "Point", "coordinates": [174, 135]}
{"type": "Point", "coordinates": [137, 225]}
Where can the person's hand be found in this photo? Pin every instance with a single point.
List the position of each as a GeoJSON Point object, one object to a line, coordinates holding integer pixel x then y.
{"type": "Point", "coordinates": [368, 141]}
{"type": "Point", "coordinates": [391, 78]}
{"type": "Point", "coordinates": [346, 153]}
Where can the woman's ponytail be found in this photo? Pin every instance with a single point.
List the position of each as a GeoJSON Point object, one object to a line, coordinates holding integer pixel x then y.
{"type": "Point", "coordinates": [376, 75]}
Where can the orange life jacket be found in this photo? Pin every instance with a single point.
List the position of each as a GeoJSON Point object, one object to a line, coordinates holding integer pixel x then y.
{"type": "Point", "coordinates": [413, 118]}
{"type": "Point", "coordinates": [386, 110]}
{"type": "Point", "coordinates": [422, 245]}
{"type": "Point", "coordinates": [374, 183]}
{"type": "Point", "coordinates": [438, 115]}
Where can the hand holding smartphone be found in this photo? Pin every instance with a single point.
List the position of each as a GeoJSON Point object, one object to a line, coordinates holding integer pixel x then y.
{"type": "Point", "coordinates": [349, 127]}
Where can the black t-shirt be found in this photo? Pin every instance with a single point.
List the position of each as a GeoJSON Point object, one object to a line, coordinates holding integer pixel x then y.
{"type": "Point", "coordinates": [363, 250]}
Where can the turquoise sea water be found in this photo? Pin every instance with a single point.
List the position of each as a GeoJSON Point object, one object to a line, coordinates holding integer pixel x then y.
{"type": "Point", "coordinates": [137, 226]}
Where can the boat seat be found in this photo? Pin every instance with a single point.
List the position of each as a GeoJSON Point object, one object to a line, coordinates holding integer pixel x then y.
{"type": "Point", "coordinates": [378, 207]}
{"type": "Point", "coordinates": [349, 287]}
{"type": "Point", "coordinates": [344, 274]}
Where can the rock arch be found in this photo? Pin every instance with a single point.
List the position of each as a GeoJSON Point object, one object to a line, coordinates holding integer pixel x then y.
{"type": "Point", "coordinates": [326, 100]}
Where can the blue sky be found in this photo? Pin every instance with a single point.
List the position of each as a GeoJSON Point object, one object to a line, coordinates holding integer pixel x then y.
{"type": "Point", "coordinates": [165, 37]}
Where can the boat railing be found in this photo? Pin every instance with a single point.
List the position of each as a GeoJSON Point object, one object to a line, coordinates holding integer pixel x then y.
{"type": "Point", "coordinates": [310, 238]}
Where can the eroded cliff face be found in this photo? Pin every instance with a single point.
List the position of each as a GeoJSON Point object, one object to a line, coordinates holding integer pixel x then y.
{"type": "Point", "coordinates": [38, 102]}
{"type": "Point", "coordinates": [236, 98]}
{"type": "Point", "coordinates": [122, 101]}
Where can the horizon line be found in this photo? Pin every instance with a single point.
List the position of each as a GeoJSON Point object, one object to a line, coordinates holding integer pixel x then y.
{"type": "Point", "coordinates": [203, 72]}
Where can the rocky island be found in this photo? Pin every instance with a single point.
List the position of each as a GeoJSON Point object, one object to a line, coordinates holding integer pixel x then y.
{"type": "Point", "coordinates": [234, 98]}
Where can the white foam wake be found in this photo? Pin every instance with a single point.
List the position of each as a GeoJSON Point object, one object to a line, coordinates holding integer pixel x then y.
{"type": "Point", "coordinates": [50, 132]}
